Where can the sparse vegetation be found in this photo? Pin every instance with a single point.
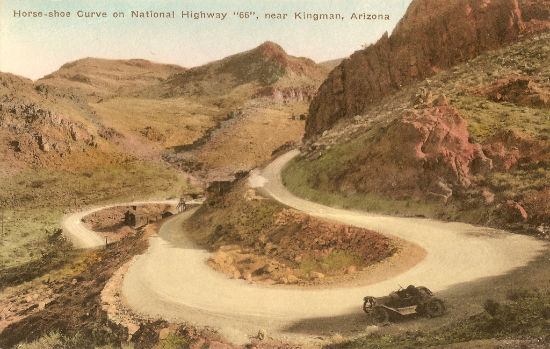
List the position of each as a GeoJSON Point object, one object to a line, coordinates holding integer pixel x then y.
{"type": "Point", "coordinates": [177, 120]}
{"type": "Point", "coordinates": [335, 261]}
{"type": "Point", "coordinates": [487, 118]}
{"type": "Point", "coordinates": [34, 201]}
{"type": "Point", "coordinates": [172, 341]}
{"type": "Point", "coordinates": [262, 127]}
{"type": "Point", "coordinates": [301, 174]}
{"type": "Point", "coordinates": [259, 237]}
{"type": "Point", "coordinates": [52, 340]}
{"type": "Point", "coordinates": [55, 340]}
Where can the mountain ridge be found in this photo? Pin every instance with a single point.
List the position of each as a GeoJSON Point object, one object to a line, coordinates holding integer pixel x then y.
{"type": "Point", "coordinates": [265, 65]}
{"type": "Point", "coordinates": [103, 77]}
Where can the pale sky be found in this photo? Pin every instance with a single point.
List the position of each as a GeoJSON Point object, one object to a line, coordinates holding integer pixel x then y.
{"type": "Point", "coordinates": [34, 47]}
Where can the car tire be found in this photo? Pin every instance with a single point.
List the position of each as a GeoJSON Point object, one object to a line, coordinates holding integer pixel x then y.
{"type": "Point", "coordinates": [434, 308]}
{"type": "Point", "coordinates": [381, 315]}
{"type": "Point", "coordinates": [368, 305]}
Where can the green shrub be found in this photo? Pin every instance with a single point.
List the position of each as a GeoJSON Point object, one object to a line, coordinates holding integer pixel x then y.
{"type": "Point", "coordinates": [172, 341]}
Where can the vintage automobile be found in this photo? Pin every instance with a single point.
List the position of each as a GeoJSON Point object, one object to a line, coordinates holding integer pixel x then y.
{"type": "Point", "coordinates": [403, 302]}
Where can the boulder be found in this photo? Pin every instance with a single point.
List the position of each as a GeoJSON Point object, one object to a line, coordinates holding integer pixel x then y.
{"type": "Point", "coordinates": [513, 211]}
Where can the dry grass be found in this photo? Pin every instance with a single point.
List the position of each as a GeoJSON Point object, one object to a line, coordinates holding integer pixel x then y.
{"type": "Point", "coordinates": [34, 200]}
{"type": "Point", "coordinates": [249, 141]}
{"type": "Point", "coordinates": [173, 121]}
{"type": "Point", "coordinates": [106, 77]}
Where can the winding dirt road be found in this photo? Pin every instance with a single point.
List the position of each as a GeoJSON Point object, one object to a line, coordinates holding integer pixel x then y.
{"type": "Point", "coordinates": [171, 280]}
{"type": "Point", "coordinates": [82, 237]}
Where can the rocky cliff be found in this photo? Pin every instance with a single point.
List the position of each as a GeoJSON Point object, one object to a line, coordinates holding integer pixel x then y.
{"type": "Point", "coordinates": [434, 156]}
{"type": "Point", "coordinates": [432, 36]}
{"type": "Point", "coordinates": [470, 142]}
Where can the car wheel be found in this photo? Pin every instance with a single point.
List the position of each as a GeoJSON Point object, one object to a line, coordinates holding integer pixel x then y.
{"type": "Point", "coordinates": [368, 305]}
{"type": "Point", "coordinates": [435, 307]}
{"type": "Point", "coordinates": [381, 315]}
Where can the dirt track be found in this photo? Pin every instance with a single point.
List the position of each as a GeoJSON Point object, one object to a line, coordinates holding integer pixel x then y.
{"type": "Point", "coordinates": [82, 237]}
{"type": "Point", "coordinates": [172, 280]}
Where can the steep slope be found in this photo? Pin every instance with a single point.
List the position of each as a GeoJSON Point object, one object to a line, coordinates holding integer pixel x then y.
{"type": "Point", "coordinates": [142, 108]}
{"type": "Point", "coordinates": [432, 36]}
{"type": "Point", "coordinates": [249, 72]}
{"type": "Point", "coordinates": [144, 126]}
{"type": "Point", "coordinates": [107, 77]}
{"type": "Point", "coordinates": [470, 143]}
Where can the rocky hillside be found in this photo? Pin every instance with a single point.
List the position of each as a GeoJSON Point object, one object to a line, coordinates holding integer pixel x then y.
{"type": "Point", "coordinates": [268, 91]}
{"type": "Point", "coordinates": [432, 36]}
{"type": "Point", "coordinates": [123, 104]}
{"type": "Point", "coordinates": [266, 70]}
{"type": "Point", "coordinates": [44, 126]}
{"type": "Point", "coordinates": [333, 63]}
{"type": "Point", "coordinates": [108, 77]}
{"type": "Point", "coordinates": [471, 143]}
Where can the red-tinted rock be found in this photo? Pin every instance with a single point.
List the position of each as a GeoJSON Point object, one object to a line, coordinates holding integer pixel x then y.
{"type": "Point", "coordinates": [432, 36]}
{"type": "Point", "coordinates": [487, 195]}
{"type": "Point", "coordinates": [423, 153]}
{"type": "Point", "coordinates": [513, 211]}
{"type": "Point", "coordinates": [538, 206]}
{"type": "Point", "coordinates": [520, 90]}
{"type": "Point", "coordinates": [510, 148]}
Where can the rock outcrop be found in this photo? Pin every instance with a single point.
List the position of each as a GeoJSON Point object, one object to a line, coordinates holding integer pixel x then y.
{"type": "Point", "coordinates": [286, 94]}
{"type": "Point", "coordinates": [278, 253]}
{"type": "Point", "coordinates": [520, 90]}
{"type": "Point", "coordinates": [432, 36]}
{"type": "Point", "coordinates": [422, 153]}
{"type": "Point", "coordinates": [510, 149]}
{"type": "Point", "coordinates": [33, 129]}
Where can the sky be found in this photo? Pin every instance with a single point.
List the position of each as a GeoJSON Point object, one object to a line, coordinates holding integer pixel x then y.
{"type": "Point", "coordinates": [34, 46]}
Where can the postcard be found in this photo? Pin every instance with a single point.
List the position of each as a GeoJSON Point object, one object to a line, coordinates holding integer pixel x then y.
{"type": "Point", "coordinates": [274, 174]}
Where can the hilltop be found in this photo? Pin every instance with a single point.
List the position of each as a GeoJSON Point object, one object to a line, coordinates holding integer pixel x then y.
{"type": "Point", "coordinates": [88, 134]}
{"type": "Point", "coordinates": [267, 65]}
{"type": "Point", "coordinates": [141, 108]}
{"type": "Point", "coordinates": [109, 77]}
{"type": "Point", "coordinates": [45, 126]}
{"type": "Point", "coordinates": [267, 93]}
{"type": "Point", "coordinates": [333, 63]}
